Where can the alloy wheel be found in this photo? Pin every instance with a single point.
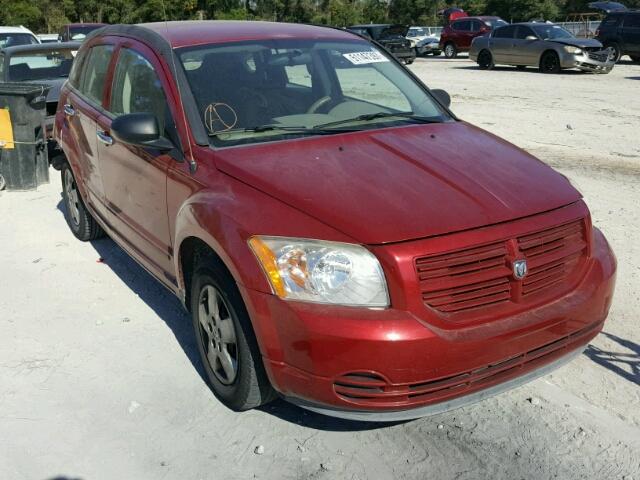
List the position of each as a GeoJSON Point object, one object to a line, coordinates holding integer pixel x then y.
{"type": "Point", "coordinates": [449, 50]}
{"type": "Point", "coordinates": [73, 199]}
{"type": "Point", "coordinates": [218, 334]}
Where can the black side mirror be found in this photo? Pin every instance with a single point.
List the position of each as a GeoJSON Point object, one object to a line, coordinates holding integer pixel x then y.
{"type": "Point", "coordinates": [140, 129]}
{"type": "Point", "coordinates": [442, 96]}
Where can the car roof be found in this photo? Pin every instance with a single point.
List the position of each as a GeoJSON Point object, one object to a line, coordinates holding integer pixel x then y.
{"type": "Point", "coordinates": [85, 24]}
{"type": "Point", "coordinates": [477, 17]}
{"type": "Point", "coordinates": [40, 47]}
{"type": "Point", "coordinates": [201, 32]}
{"type": "Point", "coordinates": [19, 29]}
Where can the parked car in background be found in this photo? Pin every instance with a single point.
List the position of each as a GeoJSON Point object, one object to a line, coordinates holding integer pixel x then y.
{"type": "Point", "coordinates": [549, 47]}
{"type": "Point", "coordinates": [77, 31]}
{"type": "Point", "coordinates": [12, 36]}
{"type": "Point", "coordinates": [46, 63]}
{"type": "Point", "coordinates": [423, 42]}
{"type": "Point", "coordinates": [48, 37]}
{"type": "Point", "coordinates": [338, 235]}
{"type": "Point", "coordinates": [457, 36]}
{"type": "Point", "coordinates": [620, 31]}
{"type": "Point", "coordinates": [391, 37]}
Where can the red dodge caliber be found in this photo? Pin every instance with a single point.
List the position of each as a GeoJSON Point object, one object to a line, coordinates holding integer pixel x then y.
{"type": "Point", "coordinates": [338, 235]}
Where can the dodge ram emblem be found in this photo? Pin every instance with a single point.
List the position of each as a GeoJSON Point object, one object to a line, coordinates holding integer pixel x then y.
{"type": "Point", "coordinates": [519, 269]}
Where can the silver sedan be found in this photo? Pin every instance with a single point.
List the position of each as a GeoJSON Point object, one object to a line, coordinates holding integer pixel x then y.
{"type": "Point", "coordinates": [549, 47]}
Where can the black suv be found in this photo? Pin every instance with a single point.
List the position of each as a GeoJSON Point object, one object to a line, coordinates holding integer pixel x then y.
{"type": "Point", "coordinates": [621, 32]}
{"type": "Point", "coordinates": [391, 37]}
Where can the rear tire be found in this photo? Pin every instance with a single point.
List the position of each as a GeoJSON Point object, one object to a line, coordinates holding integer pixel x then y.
{"type": "Point", "coordinates": [550, 63]}
{"type": "Point", "coordinates": [80, 221]}
{"type": "Point", "coordinates": [226, 341]}
{"type": "Point", "coordinates": [485, 60]}
{"type": "Point", "coordinates": [450, 50]}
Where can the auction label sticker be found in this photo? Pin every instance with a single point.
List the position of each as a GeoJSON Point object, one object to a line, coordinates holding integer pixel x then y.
{"type": "Point", "coordinates": [362, 58]}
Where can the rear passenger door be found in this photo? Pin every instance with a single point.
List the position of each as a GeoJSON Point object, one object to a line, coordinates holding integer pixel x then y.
{"type": "Point", "coordinates": [135, 177]}
{"type": "Point", "coordinates": [82, 107]}
{"type": "Point", "coordinates": [631, 33]}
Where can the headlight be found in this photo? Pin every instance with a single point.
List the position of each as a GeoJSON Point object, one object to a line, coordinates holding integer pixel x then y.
{"type": "Point", "coordinates": [574, 50]}
{"type": "Point", "coordinates": [321, 272]}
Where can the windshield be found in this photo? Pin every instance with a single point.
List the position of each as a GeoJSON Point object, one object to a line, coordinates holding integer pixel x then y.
{"type": "Point", "coordinates": [296, 87]}
{"type": "Point", "coordinates": [13, 39]}
{"type": "Point", "coordinates": [551, 32]}
{"type": "Point", "coordinates": [80, 33]}
{"type": "Point", "coordinates": [40, 65]}
{"type": "Point", "coordinates": [417, 32]}
{"type": "Point", "coordinates": [495, 22]}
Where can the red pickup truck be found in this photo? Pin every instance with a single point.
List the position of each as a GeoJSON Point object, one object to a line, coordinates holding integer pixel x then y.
{"type": "Point", "coordinates": [338, 235]}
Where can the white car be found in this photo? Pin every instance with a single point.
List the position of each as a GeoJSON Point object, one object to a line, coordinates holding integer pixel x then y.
{"type": "Point", "coordinates": [12, 36]}
{"type": "Point", "coordinates": [424, 41]}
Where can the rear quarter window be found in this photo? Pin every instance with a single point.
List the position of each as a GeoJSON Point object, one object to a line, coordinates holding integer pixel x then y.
{"type": "Point", "coordinates": [610, 21]}
{"type": "Point", "coordinates": [504, 32]}
{"type": "Point", "coordinates": [632, 21]}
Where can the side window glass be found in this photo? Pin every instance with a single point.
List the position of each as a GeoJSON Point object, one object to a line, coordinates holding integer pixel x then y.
{"type": "Point", "coordinates": [505, 32]}
{"type": "Point", "coordinates": [475, 26]}
{"type": "Point", "coordinates": [76, 68]}
{"type": "Point", "coordinates": [463, 26]}
{"type": "Point", "coordinates": [95, 72]}
{"type": "Point", "coordinates": [137, 88]}
{"type": "Point", "coordinates": [523, 32]}
{"type": "Point", "coordinates": [298, 75]}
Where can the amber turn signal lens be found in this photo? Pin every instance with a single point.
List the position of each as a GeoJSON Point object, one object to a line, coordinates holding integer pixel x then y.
{"type": "Point", "coordinates": [267, 260]}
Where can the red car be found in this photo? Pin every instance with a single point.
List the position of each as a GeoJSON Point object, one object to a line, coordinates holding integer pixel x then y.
{"type": "Point", "coordinates": [338, 235]}
{"type": "Point", "coordinates": [458, 35]}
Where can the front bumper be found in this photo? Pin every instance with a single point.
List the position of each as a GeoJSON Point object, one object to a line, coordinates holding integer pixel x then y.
{"type": "Point", "coordinates": [588, 61]}
{"type": "Point", "coordinates": [429, 48]}
{"type": "Point", "coordinates": [384, 365]}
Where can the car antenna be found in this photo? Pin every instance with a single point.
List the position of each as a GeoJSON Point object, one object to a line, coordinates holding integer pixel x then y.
{"type": "Point", "coordinates": [193, 166]}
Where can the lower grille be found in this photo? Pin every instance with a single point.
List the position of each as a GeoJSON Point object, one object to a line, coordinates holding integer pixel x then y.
{"type": "Point", "coordinates": [368, 389]}
{"type": "Point", "coordinates": [599, 56]}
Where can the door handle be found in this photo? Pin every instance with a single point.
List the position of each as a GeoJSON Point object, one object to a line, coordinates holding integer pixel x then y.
{"type": "Point", "coordinates": [69, 110]}
{"type": "Point", "coordinates": [104, 138]}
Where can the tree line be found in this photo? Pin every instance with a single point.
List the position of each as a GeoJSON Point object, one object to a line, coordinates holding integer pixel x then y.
{"type": "Point", "coordinates": [47, 16]}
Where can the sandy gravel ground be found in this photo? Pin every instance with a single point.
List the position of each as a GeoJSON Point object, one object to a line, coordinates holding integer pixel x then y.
{"type": "Point", "coordinates": [99, 376]}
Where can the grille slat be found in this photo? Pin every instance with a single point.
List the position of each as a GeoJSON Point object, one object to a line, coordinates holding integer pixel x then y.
{"type": "Point", "coordinates": [480, 276]}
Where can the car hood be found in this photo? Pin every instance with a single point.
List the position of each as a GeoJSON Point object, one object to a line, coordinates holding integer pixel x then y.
{"type": "Point", "coordinates": [402, 183]}
{"type": "Point", "coordinates": [578, 42]}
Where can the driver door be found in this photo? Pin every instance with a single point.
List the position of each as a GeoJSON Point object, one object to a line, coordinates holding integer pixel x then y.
{"type": "Point", "coordinates": [134, 177]}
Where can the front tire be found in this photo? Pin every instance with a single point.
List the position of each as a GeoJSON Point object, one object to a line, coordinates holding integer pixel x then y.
{"type": "Point", "coordinates": [617, 51]}
{"type": "Point", "coordinates": [225, 338]}
{"type": "Point", "coordinates": [550, 63]}
{"type": "Point", "coordinates": [450, 50]}
{"type": "Point", "coordinates": [485, 60]}
{"type": "Point", "coordinates": [80, 221]}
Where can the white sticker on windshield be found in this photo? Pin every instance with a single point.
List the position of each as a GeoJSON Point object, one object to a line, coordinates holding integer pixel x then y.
{"type": "Point", "coordinates": [362, 58]}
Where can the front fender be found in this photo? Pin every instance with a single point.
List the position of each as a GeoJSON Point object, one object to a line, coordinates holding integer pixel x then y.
{"type": "Point", "coordinates": [227, 214]}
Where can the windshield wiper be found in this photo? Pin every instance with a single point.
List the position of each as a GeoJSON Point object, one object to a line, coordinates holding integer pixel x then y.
{"type": "Point", "coordinates": [317, 130]}
{"type": "Point", "coordinates": [374, 116]}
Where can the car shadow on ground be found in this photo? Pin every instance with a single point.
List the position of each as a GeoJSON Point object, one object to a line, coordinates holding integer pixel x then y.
{"type": "Point", "coordinates": [507, 68]}
{"type": "Point", "coordinates": [625, 364]}
{"type": "Point", "coordinates": [169, 309]}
